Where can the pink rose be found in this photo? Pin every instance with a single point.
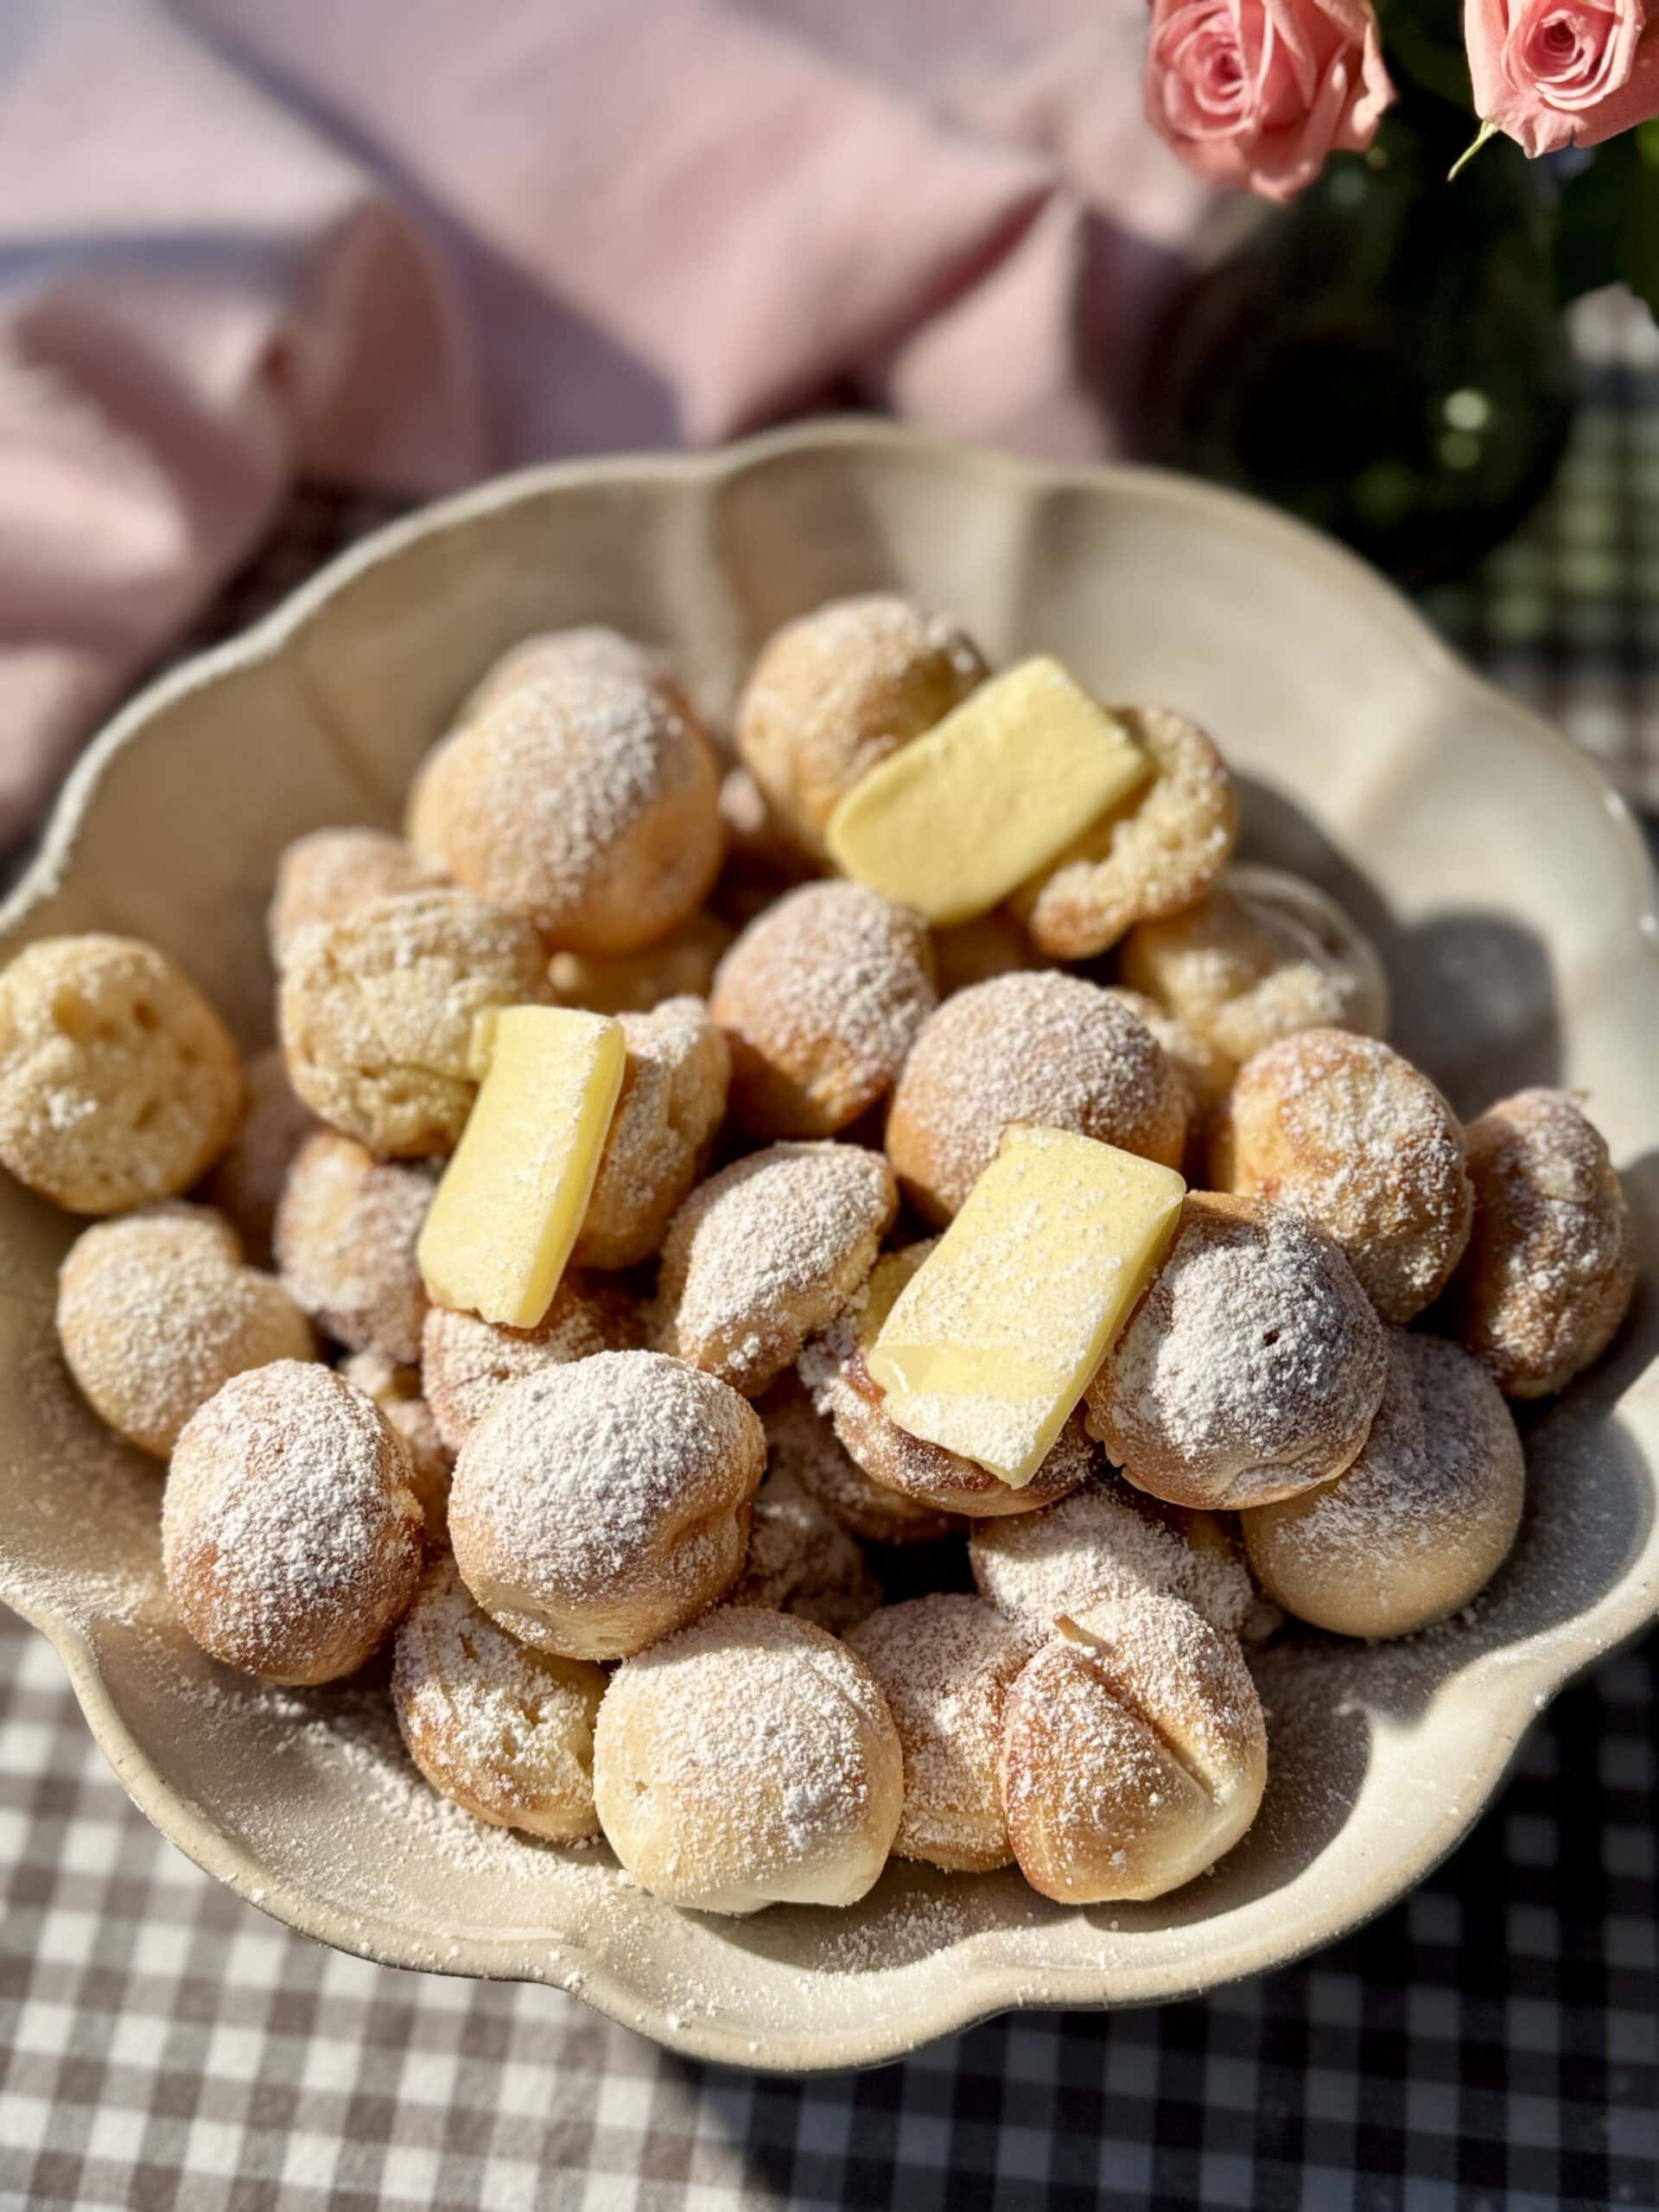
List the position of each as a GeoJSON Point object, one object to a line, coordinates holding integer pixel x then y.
{"type": "Point", "coordinates": [1561, 72]}
{"type": "Point", "coordinates": [1256, 93]}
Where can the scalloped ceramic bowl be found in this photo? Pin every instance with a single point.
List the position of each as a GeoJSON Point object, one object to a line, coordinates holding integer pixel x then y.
{"type": "Point", "coordinates": [1512, 897]}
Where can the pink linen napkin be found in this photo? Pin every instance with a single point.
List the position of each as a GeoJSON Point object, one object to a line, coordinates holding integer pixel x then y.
{"type": "Point", "coordinates": [402, 244]}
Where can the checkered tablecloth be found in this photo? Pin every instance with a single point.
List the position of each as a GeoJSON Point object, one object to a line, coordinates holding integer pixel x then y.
{"type": "Point", "coordinates": [1567, 614]}
{"type": "Point", "coordinates": [1492, 2043]}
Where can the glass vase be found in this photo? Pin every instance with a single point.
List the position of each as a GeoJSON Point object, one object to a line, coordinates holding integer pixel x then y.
{"type": "Point", "coordinates": [1387, 357]}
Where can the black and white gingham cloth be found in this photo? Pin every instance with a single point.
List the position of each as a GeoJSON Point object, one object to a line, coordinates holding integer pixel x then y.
{"type": "Point", "coordinates": [1492, 2043]}
{"type": "Point", "coordinates": [1489, 2045]}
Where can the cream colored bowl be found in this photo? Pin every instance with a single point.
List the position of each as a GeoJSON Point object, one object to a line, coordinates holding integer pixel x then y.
{"type": "Point", "coordinates": [1514, 900]}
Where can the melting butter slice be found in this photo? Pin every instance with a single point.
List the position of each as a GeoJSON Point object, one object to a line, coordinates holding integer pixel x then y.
{"type": "Point", "coordinates": [993, 1340]}
{"type": "Point", "coordinates": [515, 1193]}
{"type": "Point", "coordinates": [957, 819]}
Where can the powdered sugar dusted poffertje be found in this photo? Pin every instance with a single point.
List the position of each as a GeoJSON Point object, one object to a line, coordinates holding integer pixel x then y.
{"type": "Point", "coordinates": [1551, 1264]}
{"type": "Point", "coordinates": [1423, 1518]}
{"type": "Point", "coordinates": [292, 1534]}
{"type": "Point", "coordinates": [767, 1252]}
{"type": "Point", "coordinates": [1252, 1367]}
{"type": "Point", "coordinates": [750, 1760]}
{"type": "Point", "coordinates": [1109, 1536]}
{"type": "Point", "coordinates": [503, 1729]}
{"type": "Point", "coordinates": [600, 1504]}
{"type": "Point", "coordinates": [377, 1011]}
{"type": "Point", "coordinates": [1050, 1049]}
{"type": "Point", "coordinates": [118, 1083]}
{"type": "Point", "coordinates": [1350, 1134]}
{"type": "Point", "coordinates": [582, 796]}
{"type": "Point", "coordinates": [156, 1311]}
{"type": "Point", "coordinates": [1133, 1750]}
{"type": "Point", "coordinates": [945, 1665]}
{"type": "Point", "coordinates": [822, 998]}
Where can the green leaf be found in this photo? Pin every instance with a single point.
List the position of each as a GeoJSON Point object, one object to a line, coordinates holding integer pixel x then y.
{"type": "Point", "coordinates": [1594, 225]}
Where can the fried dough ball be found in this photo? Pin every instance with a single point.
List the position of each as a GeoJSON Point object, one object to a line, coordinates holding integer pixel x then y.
{"type": "Point", "coordinates": [1042, 1047]}
{"type": "Point", "coordinates": [346, 1237]}
{"type": "Point", "coordinates": [667, 1113]}
{"type": "Point", "coordinates": [1109, 1536]}
{"type": "Point", "coordinates": [821, 1000]}
{"type": "Point", "coordinates": [1264, 955]}
{"type": "Point", "coordinates": [397, 1391]}
{"type": "Point", "coordinates": [1251, 1367]}
{"type": "Point", "coordinates": [377, 1012]}
{"type": "Point", "coordinates": [835, 1369]}
{"type": "Point", "coordinates": [156, 1311]}
{"type": "Point", "coordinates": [945, 1665]}
{"type": "Point", "coordinates": [1153, 855]}
{"type": "Point", "coordinates": [748, 1761]}
{"type": "Point", "coordinates": [582, 798]}
{"type": "Point", "coordinates": [330, 873]}
{"type": "Point", "coordinates": [1551, 1264]}
{"type": "Point", "coordinates": [1347, 1133]}
{"type": "Point", "coordinates": [836, 692]}
{"type": "Point", "coordinates": [680, 966]}
{"type": "Point", "coordinates": [588, 646]}
{"type": "Point", "coordinates": [1133, 1750]}
{"type": "Point", "coordinates": [290, 1535]}
{"type": "Point", "coordinates": [1421, 1521]}
{"type": "Point", "coordinates": [118, 1083]}
{"type": "Point", "coordinates": [801, 1559]}
{"type": "Point", "coordinates": [601, 1505]}
{"type": "Point", "coordinates": [803, 1446]}
{"type": "Point", "coordinates": [247, 1184]}
{"type": "Point", "coordinates": [505, 1732]}
{"type": "Point", "coordinates": [766, 1253]}
{"type": "Point", "coordinates": [467, 1362]}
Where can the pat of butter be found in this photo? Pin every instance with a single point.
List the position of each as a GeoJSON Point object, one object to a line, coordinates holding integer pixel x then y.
{"type": "Point", "coordinates": [515, 1194]}
{"type": "Point", "coordinates": [994, 1339]}
{"type": "Point", "coordinates": [955, 820]}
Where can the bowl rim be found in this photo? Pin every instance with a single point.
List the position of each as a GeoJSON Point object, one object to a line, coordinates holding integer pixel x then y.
{"type": "Point", "coordinates": [1623, 1613]}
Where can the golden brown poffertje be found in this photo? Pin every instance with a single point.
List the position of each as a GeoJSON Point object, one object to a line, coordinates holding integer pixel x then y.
{"type": "Point", "coordinates": [1551, 1264]}
{"type": "Point", "coordinates": [582, 796]}
{"type": "Point", "coordinates": [1043, 1047]}
{"type": "Point", "coordinates": [1420, 1521]}
{"type": "Point", "coordinates": [504, 1730]}
{"type": "Point", "coordinates": [291, 1535]}
{"type": "Point", "coordinates": [378, 1009]}
{"type": "Point", "coordinates": [1252, 1367]}
{"type": "Point", "coordinates": [602, 1502]}
{"type": "Point", "coordinates": [678, 1541]}
{"type": "Point", "coordinates": [1350, 1134]}
{"type": "Point", "coordinates": [156, 1311]}
{"type": "Point", "coordinates": [120, 1085]}
{"type": "Point", "coordinates": [749, 1760]}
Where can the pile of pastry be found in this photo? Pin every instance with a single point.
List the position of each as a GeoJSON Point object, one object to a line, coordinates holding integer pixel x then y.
{"type": "Point", "coordinates": [703, 1186]}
